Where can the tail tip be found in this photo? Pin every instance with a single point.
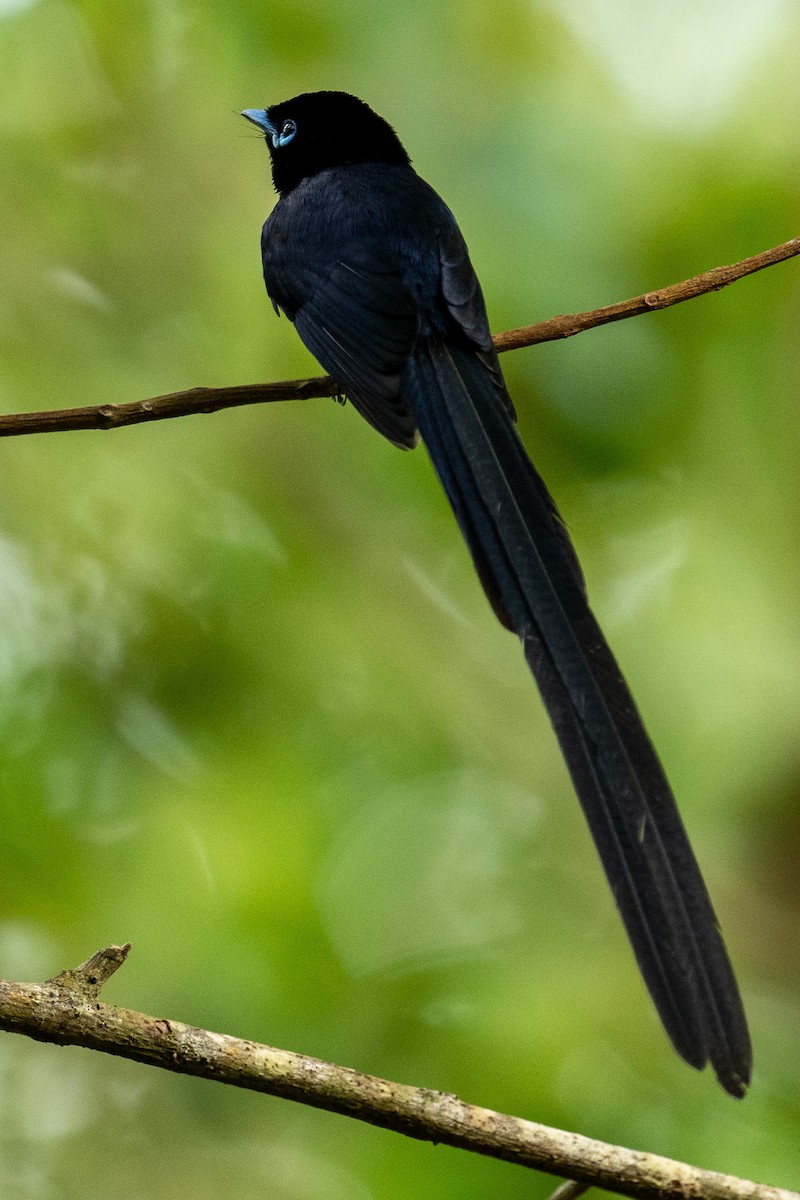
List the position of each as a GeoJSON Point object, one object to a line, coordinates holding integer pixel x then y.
{"type": "Point", "coordinates": [735, 1080]}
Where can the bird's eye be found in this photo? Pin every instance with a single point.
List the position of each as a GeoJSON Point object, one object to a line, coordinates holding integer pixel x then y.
{"type": "Point", "coordinates": [288, 130]}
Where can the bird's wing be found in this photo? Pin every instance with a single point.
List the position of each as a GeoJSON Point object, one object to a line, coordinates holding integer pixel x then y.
{"type": "Point", "coordinates": [466, 312]}
{"type": "Point", "coordinates": [359, 320]}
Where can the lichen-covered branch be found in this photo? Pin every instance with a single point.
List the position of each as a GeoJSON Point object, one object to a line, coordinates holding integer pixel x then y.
{"type": "Point", "coordinates": [67, 1010]}
{"type": "Point", "coordinates": [205, 400]}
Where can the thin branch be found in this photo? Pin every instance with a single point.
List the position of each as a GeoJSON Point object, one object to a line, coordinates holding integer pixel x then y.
{"type": "Point", "coordinates": [205, 400]}
{"type": "Point", "coordinates": [67, 1010]}
{"type": "Point", "coordinates": [160, 408]}
{"type": "Point", "coordinates": [569, 1190]}
{"type": "Point", "coordinates": [676, 293]}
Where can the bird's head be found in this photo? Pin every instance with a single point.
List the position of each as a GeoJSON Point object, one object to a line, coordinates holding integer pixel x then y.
{"type": "Point", "coordinates": [318, 130]}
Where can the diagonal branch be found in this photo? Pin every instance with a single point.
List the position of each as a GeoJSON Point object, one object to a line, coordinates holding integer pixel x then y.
{"type": "Point", "coordinates": [205, 400]}
{"type": "Point", "coordinates": [67, 1010]}
{"type": "Point", "coordinates": [699, 285]}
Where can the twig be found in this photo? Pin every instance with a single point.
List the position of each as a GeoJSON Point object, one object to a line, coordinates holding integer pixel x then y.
{"type": "Point", "coordinates": [699, 285]}
{"type": "Point", "coordinates": [160, 408]}
{"type": "Point", "coordinates": [569, 1190]}
{"type": "Point", "coordinates": [205, 400]}
{"type": "Point", "coordinates": [67, 1010]}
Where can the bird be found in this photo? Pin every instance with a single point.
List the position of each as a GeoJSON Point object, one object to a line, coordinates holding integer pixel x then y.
{"type": "Point", "coordinates": [368, 262]}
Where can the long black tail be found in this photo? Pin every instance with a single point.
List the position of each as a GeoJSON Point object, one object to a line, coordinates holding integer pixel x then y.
{"type": "Point", "coordinates": [531, 575]}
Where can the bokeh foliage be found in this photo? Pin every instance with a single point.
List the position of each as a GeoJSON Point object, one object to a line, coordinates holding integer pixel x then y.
{"type": "Point", "coordinates": [255, 715]}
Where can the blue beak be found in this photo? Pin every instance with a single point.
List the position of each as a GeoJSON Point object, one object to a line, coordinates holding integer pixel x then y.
{"type": "Point", "coordinates": [259, 117]}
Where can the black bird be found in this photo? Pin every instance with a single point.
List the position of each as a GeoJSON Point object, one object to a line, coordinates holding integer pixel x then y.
{"type": "Point", "coordinates": [369, 263]}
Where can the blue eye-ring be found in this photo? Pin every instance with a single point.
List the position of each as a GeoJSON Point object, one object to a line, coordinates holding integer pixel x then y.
{"type": "Point", "coordinates": [288, 130]}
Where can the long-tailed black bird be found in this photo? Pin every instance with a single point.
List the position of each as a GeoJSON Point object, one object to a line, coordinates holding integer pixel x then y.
{"type": "Point", "coordinates": [369, 263]}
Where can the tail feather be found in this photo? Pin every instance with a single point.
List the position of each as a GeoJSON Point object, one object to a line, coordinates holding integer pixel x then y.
{"type": "Point", "coordinates": [531, 575]}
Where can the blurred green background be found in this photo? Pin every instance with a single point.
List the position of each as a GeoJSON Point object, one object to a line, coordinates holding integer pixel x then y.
{"type": "Point", "coordinates": [255, 714]}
